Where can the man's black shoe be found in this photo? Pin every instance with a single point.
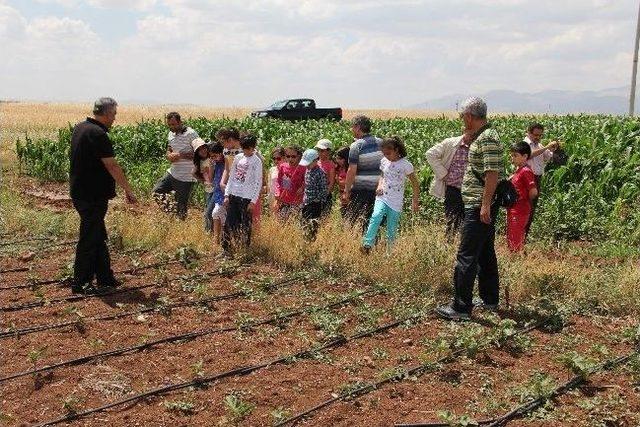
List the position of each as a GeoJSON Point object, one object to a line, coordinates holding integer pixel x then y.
{"type": "Point", "coordinates": [114, 283]}
{"type": "Point", "coordinates": [449, 313]}
{"type": "Point", "coordinates": [85, 289]}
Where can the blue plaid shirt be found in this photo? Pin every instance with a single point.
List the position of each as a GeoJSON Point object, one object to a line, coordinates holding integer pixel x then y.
{"type": "Point", "coordinates": [315, 186]}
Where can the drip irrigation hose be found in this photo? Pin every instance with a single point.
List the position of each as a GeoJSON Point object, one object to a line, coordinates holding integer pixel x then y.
{"type": "Point", "coordinates": [173, 338]}
{"type": "Point", "coordinates": [367, 388]}
{"type": "Point", "coordinates": [243, 370]}
{"type": "Point", "coordinates": [66, 280]}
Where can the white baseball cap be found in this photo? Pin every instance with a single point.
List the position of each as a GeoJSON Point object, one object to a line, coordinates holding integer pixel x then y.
{"type": "Point", "coordinates": [197, 143]}
{"type": "Point", "coordinates": [324, 144]}
{"type": "Point", "coordinates": [309, 156]}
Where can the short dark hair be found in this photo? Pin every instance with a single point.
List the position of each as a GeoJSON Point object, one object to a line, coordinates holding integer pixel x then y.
{"type": "Point", "coordinates": [215, 147]}
{"type": "Point", "coordinates": [103, 105]}
{"type": "Point", "coordinates": [343, 153]}
{"type": "Point", "coordinates": [535, 125]}
{"type": "Point", "coordinates": [174, 115]}
{"type": "Point", "coordinates": [362, 122]}
{"type": "Point", "coordinates": [229, 133]}
{"type": "Point", "coordinates": [276, 151]}
{"type": "Point", "coordinates": [395, 143]}
{"type": "Point", "coordinates": [521, 147]}
{"type": "Point", "coordinates": [295, 148]}
{"type": "Point", "coordinates": [248, 141]}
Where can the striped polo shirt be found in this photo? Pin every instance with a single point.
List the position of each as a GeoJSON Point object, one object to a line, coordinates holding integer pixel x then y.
{"type": "Point", "coordinates": [485, 154]}
{"type": "Point", "coordinates": [182, 170]}
{"type": "Point", "coordinates": [366, 154]}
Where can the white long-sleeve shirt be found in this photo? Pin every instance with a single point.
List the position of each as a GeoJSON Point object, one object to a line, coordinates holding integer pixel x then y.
{"type": "Point", "coordinates": [538, 163]}
{"type": "Point", "coordinates": [245, 177]}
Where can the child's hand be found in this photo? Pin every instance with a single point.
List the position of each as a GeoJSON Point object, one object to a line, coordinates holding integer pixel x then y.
{"type": "Point", "coordinates": [226, 202]}
{"type": "Point", "coordinates": [251, 207]}
{"type": "Point", "coordinates": [379, 191]}
{"type": "Point", "coordinates": [223, 186]}
{"type": "Point", "coordinates": [415, 206]}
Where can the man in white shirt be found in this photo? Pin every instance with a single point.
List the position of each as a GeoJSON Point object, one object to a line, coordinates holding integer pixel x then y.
{"type": "Point", "coordinates": [179, 177]}
{"type": "Point", "coordinates": [540, 156]}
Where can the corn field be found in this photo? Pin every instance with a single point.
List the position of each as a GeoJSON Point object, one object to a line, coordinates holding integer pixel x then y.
{"type": "Point", "coordinates": [593, 197]}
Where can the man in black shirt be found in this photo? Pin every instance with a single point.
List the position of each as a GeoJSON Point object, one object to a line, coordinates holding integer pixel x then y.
{"type": "Point", "coordinates": [93, 175]}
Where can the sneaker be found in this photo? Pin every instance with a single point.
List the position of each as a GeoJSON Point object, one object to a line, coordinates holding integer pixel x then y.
{"type": "Point", "coordinates": [479, 303]}
{"type": "Point", "coordinates": [449, 313]}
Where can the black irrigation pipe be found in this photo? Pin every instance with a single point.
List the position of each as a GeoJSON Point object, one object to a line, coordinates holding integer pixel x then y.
{"type": "Point", "coordinates": [14, 270]}
{"type": "Point", "coordinates": [368, 388]}
{"type": "Point", "coordinates": [243, 370]}
{"type": "Point", "coordinates": [574, 382]}
{"type": "Point", "coordinates": [31, 239]}
{"type": "Point", "coordinates": [70, 298]}
{"type": "Point", "coordinates": [181, 337]}
{"type": "Point", "coordinates": [39, 328]}
{"type": "Point", "coordinates": [67, 280]}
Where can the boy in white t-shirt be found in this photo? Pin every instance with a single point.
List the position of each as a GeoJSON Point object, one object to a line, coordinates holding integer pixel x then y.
{"type": "Point", "coordinates": [390, 192]}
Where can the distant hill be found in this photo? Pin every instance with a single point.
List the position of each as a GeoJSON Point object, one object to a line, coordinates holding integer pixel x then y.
{"type": "Point", "coordinates": [607, 101]}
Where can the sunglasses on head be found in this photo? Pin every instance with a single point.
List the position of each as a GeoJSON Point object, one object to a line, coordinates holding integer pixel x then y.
{"type": "Point", "coordinates": [277, 159]}
{"type": "Point", "coordinates": [289, 156]}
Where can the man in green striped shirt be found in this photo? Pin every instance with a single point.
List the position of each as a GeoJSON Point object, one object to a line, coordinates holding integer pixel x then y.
{"type": "Point", "coordinates": [476, 254]}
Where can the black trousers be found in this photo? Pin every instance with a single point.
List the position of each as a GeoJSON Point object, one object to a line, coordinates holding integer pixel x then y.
{"type": "Point", "coordinates": [310, 219]}
{"type": "Point", "coordinates": [534, 204]}
{"type": "Point", "coordinates": [476, 257]}
{"type": "Point", "coordinates": [182, 189]}
{"type": "Point", "coordinates": [360, 208]}
{"type": "Point", "coordinates": [237, 227]}
{"type": "Point", "coordinates": [92, 254]}
{"type": "Point", "coordinates": [453, 210]}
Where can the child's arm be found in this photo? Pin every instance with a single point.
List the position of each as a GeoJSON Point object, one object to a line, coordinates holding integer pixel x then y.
{"type": "Point", "coordinates": [207, 174]}
{"type": "Point", "coordinates": [415, 185]}
{"type": "Point", "coordinates": [533, 193]}
{"type": "Point", "coordinates": [227, 188]}
{"type": "Point", "coordinates": [256, 185]}
{"type": "Point", "coordinates": [379, 190]}
{"type": "Point", "coordinates": [331, 179]}
{"type": "Point", "coordinates": [228, 163]}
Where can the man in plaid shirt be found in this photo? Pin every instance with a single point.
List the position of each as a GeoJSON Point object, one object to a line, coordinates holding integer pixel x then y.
{"type": "Point", "coordinates": [315, 193]}
{"type": "Point", "coordinates": [476, 253]}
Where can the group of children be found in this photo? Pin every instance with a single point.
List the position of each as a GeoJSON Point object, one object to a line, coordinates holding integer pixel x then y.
{"type": "Point", "coordinates": [303, 183]}
{"type": "Point", "coordinates": [299, 184]}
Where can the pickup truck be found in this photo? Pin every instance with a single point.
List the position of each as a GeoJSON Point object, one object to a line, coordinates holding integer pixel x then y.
{"type": "Point", "coordinates": [298, 109]}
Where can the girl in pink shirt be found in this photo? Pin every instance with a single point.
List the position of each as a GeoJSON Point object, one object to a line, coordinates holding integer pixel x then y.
{"type": "Point", "coordinates": [324, 147]}
{"type": "Point", "coordinates": [290, 183]}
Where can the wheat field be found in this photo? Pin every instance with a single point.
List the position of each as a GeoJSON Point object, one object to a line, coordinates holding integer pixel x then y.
{"type": "Point", "coordinates": [43, 119]}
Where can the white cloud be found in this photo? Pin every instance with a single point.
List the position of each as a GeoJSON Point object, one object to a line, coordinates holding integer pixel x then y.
{"type": "Point", "coordinates": [351, 52]}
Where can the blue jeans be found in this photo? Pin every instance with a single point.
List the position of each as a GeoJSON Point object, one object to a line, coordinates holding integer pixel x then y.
{"type": "Point", "coordinates": [380, 211]}
{"type": "Point", "coordinates": [208, 210]}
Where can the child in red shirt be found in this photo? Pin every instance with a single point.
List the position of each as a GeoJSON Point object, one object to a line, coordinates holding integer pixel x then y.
{"type": "Point", "coordinates": [525, 183]}
{"type": "Point", "coordinates": [290, 183]}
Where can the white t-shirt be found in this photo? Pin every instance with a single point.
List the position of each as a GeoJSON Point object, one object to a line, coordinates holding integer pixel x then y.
{"type": "Point", "coordinates": [394, 176]}
{"type": "Point", "coordinates": [245, 177]}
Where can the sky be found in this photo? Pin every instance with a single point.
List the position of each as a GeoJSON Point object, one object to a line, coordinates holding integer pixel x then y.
{"type": "Point", "coordinates": [348, 53]}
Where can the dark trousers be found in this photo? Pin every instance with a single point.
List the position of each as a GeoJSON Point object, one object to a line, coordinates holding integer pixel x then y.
{"type": "Point", "coordinates": [237, 228]}
{"type": "Point", "coordinates": [182, 190]}
{"type": "Point", "coordinates": [360, 208]}
{"type": "Point", "coordinates": [453, 210]}
{"type": "Point", "coordinates": [92, 254]}
{"type": "Point", "coordinates": [534, 204]}
{"type": "Point", "coordinates": [476, 257]}
{"type": "Point", "coordinates": [310, 219]}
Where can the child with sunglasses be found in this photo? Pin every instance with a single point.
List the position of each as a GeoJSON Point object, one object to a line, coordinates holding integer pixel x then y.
{"type": "Point", "coordinates": [290, 183]}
